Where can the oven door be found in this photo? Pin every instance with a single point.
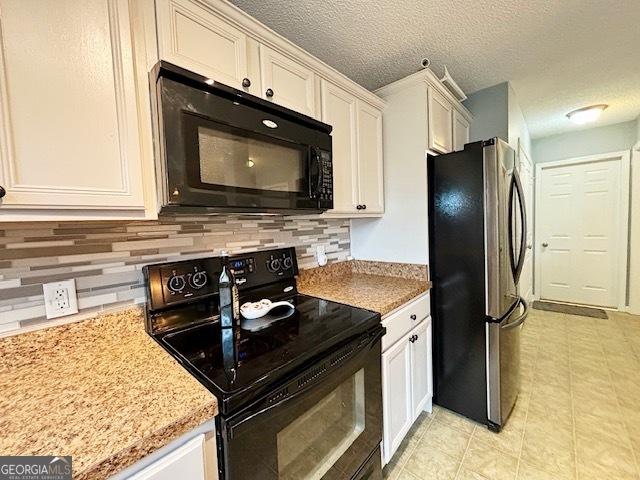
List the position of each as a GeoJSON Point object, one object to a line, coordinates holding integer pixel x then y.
{"type": "Point", "coordinates": [225, 153]}
{"type": "Point", "coordinates": [325, 423]}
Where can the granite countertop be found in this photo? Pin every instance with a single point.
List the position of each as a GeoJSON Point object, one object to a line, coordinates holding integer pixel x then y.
{"type": "Point", "coordinates": [378, 286]}
{"type": "Point", "coordinates": [100, 390]}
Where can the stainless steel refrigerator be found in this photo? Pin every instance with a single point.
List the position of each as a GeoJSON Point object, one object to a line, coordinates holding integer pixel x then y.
{"type": "Point", "coordinates": [477, 234]}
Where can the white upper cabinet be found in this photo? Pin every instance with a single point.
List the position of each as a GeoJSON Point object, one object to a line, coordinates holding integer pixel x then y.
{"type": "Point", "coordinates": [370, 181]}
{"type": "Point", "coordinates": [357, 152]}
{"type": "Point", "coordinates": [460, 131]}
{"type": "Point", "coordinates": [199, 40]}
{"type": "Point", "coordinates": [287, 82]}
{"type": "Point", "coordinates": [339, 110]}
{"type": "Point", "coordinates": [440, 122]}
{"type": "Point", "coordinates": [69, 137]}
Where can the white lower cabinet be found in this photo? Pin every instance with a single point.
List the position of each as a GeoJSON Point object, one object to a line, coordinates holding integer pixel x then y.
{"type": "Point", "coordinates": [188, 461]}
{"type": "Point", "coordinates": [406, 374]}
{"type": "Point", "coordinates": [396, 396]}
{"type": "Point", "coordinates": [421, 388]}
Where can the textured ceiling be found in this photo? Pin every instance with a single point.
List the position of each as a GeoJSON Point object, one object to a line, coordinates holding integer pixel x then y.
{"type": "Point", "coordinates": [558, 54]}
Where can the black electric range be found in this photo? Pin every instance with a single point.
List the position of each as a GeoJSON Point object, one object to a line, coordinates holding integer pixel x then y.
{"type": "Point", "coordinates": [319, 360]}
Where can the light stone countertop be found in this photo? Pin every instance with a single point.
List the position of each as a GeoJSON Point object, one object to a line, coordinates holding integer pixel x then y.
{"type": "Point", "coordinates": [100, 390]}
{"type": "Point", "coordinates": [377, 286]}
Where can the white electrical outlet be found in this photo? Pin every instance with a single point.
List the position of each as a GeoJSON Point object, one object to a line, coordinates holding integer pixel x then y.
{"type": "Point", "coordinates": [60, 298]}
{"type": "Point", "coordinates": [321, 256]}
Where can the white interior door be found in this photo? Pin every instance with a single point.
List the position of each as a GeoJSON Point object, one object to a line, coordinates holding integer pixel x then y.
{"type": "Point", "coordinates": [581, 225]}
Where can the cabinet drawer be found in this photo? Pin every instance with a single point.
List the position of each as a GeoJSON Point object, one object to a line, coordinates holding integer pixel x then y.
{"type": "Point", "coordinates": [401, 322]}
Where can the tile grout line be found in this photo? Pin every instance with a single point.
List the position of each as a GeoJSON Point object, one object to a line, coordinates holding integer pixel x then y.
{"type": "Point", "coordinates": [526, 415]}
{"type": "Point", "coordinates": [620, 414]}
{"type": "Point", "coordinates": [431, 419]}
{"type": "Point", "coordinates": [574, 436]}
{"type": "Point", "coordinates": [466, 449]}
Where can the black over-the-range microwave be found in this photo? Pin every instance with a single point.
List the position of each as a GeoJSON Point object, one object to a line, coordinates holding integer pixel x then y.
{"type": "Point", "coordinates": [224, 150]}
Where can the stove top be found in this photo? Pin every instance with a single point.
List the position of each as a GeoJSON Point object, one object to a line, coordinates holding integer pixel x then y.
{"type": "Point", "coordinates": [239, 364]}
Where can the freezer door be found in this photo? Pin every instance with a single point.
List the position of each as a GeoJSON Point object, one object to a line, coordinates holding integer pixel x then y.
{"type": "Point", "coordinates": [503, 364]}
{"type": "Point", "coordinates": [500, 276]}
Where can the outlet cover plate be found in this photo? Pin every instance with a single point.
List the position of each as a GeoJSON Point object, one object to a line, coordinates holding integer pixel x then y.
{"type": "Point", "coordinates": [60, 298]}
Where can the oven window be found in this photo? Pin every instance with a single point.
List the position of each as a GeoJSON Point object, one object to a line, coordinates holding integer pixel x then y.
{"type": "Point", "coordinates": [310, 445]}
{"type": "Point", "coordinates": [238, 161]}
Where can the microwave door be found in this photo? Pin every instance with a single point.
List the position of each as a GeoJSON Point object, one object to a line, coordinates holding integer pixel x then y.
{"type": "Point", "coordinates": [228, 155]}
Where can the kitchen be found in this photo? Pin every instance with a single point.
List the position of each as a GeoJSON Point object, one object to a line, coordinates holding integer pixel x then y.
{"type": "Point", "coordinates": [114, 232]}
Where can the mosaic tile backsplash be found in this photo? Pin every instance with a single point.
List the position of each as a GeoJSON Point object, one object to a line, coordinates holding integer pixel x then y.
{"type": "Point", "coordinates": [106, 258]}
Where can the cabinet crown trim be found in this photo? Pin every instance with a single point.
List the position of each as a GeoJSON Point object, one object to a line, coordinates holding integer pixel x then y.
{"type": "Point", "coordinates": [430, 79]}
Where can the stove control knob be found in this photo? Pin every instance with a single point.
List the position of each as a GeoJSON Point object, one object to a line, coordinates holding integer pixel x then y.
{"type": "Point", "coordinates": [198, 280]}
{"type": "Point", "coordinates": [288, 263]}
{"type": "Point", "coordinates": [176, 283]}
{"type": "Point", "coordinates": [274, 265]}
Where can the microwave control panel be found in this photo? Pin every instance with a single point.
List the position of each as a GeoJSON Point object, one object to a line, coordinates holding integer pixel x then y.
{"type": "Point", "coordinates": [326, 192]}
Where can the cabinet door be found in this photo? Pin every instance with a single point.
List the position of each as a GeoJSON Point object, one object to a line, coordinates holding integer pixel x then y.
{"type": "Point", "coordinates": [339, 110]}
{"type": "Point", "coordinates": [370, 180]}
{"type": "Point", "coordinates": [186, 461]}
{"type": "Point", "coordinates": [420, 367]}
{"type": "Point", "coordinates": [396, 395]}
{"type": "Point", "coordinates": [440, 122]}
{"type": "Point", "coordinates": [287, 82]}
{"type": "Point", "coordinates": [68, 112]}
{"type": "Point", "coordinates": [195, 38]}
{"type": "Point", "coordinates": [460, 131]}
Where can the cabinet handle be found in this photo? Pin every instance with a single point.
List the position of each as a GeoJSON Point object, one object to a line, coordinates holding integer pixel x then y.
{"type": "Point", "coordinates": [3, 192]}
{"type": "Point", "coordinates": [364, 207]}
{"type": "Point", "coordinates": [413, 338]}
{"type": "Point", "coordinates": [246, 83]}
{"type": "Point", "coordinates": [413, 317]}
{"type": "Point", "coordinates": [358, 207]}
{"type": "Point", "coordinates": [269, 93]}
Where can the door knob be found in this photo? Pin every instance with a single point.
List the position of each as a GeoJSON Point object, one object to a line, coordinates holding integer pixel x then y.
{"type": "Point", "coordinates": [269, 93]}
{"type": "Point", "coordinates": [545, 244]}
{"type": "Point", "coordinates": [246, 83]}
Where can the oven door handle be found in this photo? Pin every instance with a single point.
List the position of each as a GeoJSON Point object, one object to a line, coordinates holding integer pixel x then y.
{"type": "Point", "coordinates": [364, 346]}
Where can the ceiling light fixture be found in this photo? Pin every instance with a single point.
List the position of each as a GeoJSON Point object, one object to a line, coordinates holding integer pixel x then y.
{"type": "Point", "coordinates": [586, 114]}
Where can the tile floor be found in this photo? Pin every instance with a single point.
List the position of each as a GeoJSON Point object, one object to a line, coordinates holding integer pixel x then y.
{"type": "Point", "coordinates": [577, 417]}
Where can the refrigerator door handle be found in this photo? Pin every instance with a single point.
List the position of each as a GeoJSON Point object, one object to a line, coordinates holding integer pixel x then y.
{"type": "Point", "coordinates": [516, 188]}
{"type": "Point", "coordinates": [520, 320]}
